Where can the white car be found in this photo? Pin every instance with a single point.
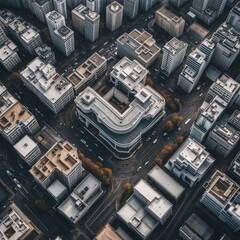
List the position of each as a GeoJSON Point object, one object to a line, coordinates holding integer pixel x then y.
{"type": "Point", "coordinates": [138, 169]}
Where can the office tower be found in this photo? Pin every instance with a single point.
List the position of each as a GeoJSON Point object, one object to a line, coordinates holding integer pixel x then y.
{"type": "Point", "coordinates": [27, 4]}
{"type": "Point", "coordinates": [208, 10]}
{"type": "Point", "coordinates": [138, 45]}
{"type": "Point", "coordinates": [15, 120]}
{"type": "Point", "coordinates": [173, 55]}
{"type": "Point", "coordinates": [234, 119]}
{"type": "Point", "coordinates": [233, 18]}
{"type": "Point", "coordinates": [178, 3]}
{"type": "Point", "coordinates": [207, 47]}
{"type": "Point", "coordinates": [83, 197]}
{"type": "Point", "coordinates": [145, 5]}
{"type": "Point", "coordinates": [63, 40]}
{"type": "Point", "coordinates": [74, 3]}
{"type": "Point", "coordinates": [222, 139]}
{"type": "Point", "coordinates": [11, 3]}
{"type": "Point", "coordinates": [40, 8]}
{"type": "Point", "coordinates": [227, 42]}
{"type": "Point", "coordinates": [221, 197]}
{"type": "Point", "coordinates": [125, 120]}
{"type": "Point", "coordinates": [88, 72]}
{"type": "Point", "coordinates": [192, 71]}
{"type": "Point", "coordinates": [171, 23]}
{"type": "Point", "coordinates": [142, 213]}
{"type": "Point", "coordinates": [28, 150]}
{"type": "Point", "coordinates": [130, 8]}
{"type": "Point", "coordinates": [3, 36]}
{"type": "Point", "coordinates": [54, 21]}
{"type": "Point", "coordinates": [190, 162]}
{"type": "Point", "coordinates": [207, 118]}
{"type": "Point", "coordinates": [8, 55]}
{"type": "Point", "coordinates": [96, 5]}
{"type": "Point", "coordinates": [86, 22]}
{"type": "Point", "coordinates": [60, 162]}
{"type": "Point", "coordinates": [61, 7]}
{"type": "Point", "coordinates": [114, 16]}
{"type": "Point", "coordinates": [46, 54]}
{"type": "Point", "coordinates": [50, 87]}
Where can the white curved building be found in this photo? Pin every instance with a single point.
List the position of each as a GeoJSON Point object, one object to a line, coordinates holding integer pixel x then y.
{"type": "Point", "coordinates": [124, 112]}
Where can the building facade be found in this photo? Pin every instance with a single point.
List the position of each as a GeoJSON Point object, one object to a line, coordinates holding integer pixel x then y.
{"type": "Point", "coordinates": [130, 8]}
{"type": "Point", "coordinates": [114, 16]}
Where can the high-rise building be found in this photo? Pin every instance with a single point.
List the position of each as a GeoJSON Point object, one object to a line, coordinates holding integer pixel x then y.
{"type": "Point", "coordinates": [40, 8]}
{"type": "Point", "coordinates": [178, 3]}
{"type": "Point", "coordinates": [27, 35]}
{"type": "Point", "coordinates": [138, 45]}
{"type": "Point", "coordinates": [222, 139]}
{"type": "Point", "coordinates": [61, 7]}
{"type": "Point", "coordinates": [173, 55]}
{"type": "Point", "coordinates": [3, 36]}
{"type": "Point", "coordinates": [208, 48]}
{"type": "Point", "coordinates": [63, 40]}
{"type": "Point", "coordinates": [233, 18]}
{"type": "Point", "coordinates": [192, 71]}
{"type": "Point", "coordinates": [96, 5]}
{"type": "Point", "coordinates": [60, 162]}
{"type": "Point", "coordinates": [8, 55]}
{"type": "Point", "coordinates": [190, 162]}
{"type": "Point", "coordinates": [50, 87]}
{"type": "Point", "coordinates": [234, 119]}
{"type": "Point", "coordinates": [15, 120]}
{"type": "Point", "coordinates": [145, 5]}
{"type": "Point", "coordinates": [121, 123]}
{"type": "Point", "coordinates": [208, 10]}
{"type": "Point", "coordinates": [46, 54]}
{"type": "Point", "coordinates": [206, 120]}
{"type": "Point", "coordinates": [227, 41]}
{"type": "Point", "coordinates": [221, 197]}
{"type": "Point", "coordinates": [171, 23]}
{"type": "Point", "coordinates": [86, 22]}
{"type": "Point", "coordinates": [28, 150]}
{"type": "Point", "coordinates": [11, 3]}
{"type": "Point", "coordinates": [130, 8]}
{"type": "Point", "coordinates": [55, 20]}
{"type": "Point", "coordinates": [114, 16]}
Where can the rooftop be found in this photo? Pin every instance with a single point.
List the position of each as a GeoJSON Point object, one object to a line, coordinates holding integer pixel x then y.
{"type": "Point", "coordinates": [175, 46]}
{"type": "Point", "coordinates": [45, 80]}
{"type": "Point", "coordinates": [62, 157]}
{"type": "Point", "coordinates": [142, 43]}
{"type": "Point", "coordinates": [25, 145]}
{"type": "Point", "coordinates": [108, 233]}
{"type": "Point", "coordinates": [7, 50]}
{"type": "Point", "coordinates": [114, 7]}
{"type": "Point", "coordinates": [223, 189]}
{"type": "Point", "coordinates": [166, 182]}
{"type": "Point", "coordinates": [56, 189]}
{"type": "Point", "coordinates": [171, 17]}
{"type": "Point", "coordinates": [81, 199]}
{"type": "Point", "coordinates": [81, 11]}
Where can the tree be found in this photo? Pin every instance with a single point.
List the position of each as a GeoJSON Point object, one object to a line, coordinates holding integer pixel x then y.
{"type": "Point", "coordinates": [179, 140]}
{"type": "Point", "coordinates": [15, 75]}
{"type": "Point", "coordinates": [41, 204]}
{"type": "Point", "coordinates": [149, 81]}
{"type": "Point", "coordinates": [159, 161]}
{"type": "Point", "coordinates": [108, 172]}
{"type": "Point", "coordinates": [169, 126]}
{"type": "Point", "coordinates": [177, 120]}
{"type": "Point", "coordinates": [81, 156]}
{"type": "Point", "coordinates": [127, 187]}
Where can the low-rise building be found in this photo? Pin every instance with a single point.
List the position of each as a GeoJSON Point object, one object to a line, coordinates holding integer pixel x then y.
{"type": "Point", "coordinates": [28, 150]}
{"type": "Point", "coordinates": [15, 120]}
{"type": "Point", "coordinates": [50, 87]}
{"type": "Point", "coordinates": [195, 228]}
{"type": "Point", "coordinates": [190, 162]}
{"type": "Point", "coordinates": [171, 23]}
{"type": "Point", "coordinates": [221, 197]}
{"type": "Point", "coordinates": [88, 72]}
{"type": "Point", "coordinates": [124, 112]}
{"type": "Point", "coordinates": [138, 45]}
{"type": "Point", "coordinates": [108, 232]}
{"type": "Point", "coordinates": [15, 225]}
{"type": "Point", "coordinates": [81, 199]}
{"type": "Point", "coordinates": [166, 183]}
{"type": "Point", "coordinates": [57, 190]}
{"type": "Point", "coordinates": [145, 209]}
{"type": "Point", "coordinates": [60, 162]}
{"type": "Point", "coordinates": [8, 55]}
